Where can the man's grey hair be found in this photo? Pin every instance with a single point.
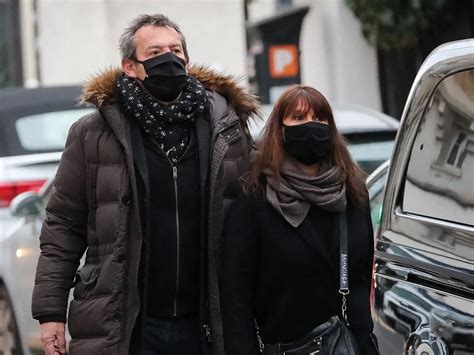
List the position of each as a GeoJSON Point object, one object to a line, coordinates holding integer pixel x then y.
{"type": "Point", "coordinates": [127, 44]}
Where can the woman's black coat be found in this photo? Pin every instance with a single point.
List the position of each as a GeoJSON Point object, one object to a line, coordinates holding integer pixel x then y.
{"type": "Point", "coordinates": [288, 278]}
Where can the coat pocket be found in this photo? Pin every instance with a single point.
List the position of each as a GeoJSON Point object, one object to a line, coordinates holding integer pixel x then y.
{"type": "Point", "coordinates": [85, 281]}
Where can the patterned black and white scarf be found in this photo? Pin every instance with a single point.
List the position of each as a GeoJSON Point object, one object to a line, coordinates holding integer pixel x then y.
{"type": "Point", "coordinates": [169, 124]}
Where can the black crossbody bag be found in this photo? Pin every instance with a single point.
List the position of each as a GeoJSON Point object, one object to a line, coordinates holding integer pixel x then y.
{"type": "Point", "coordinates": [333, 337]}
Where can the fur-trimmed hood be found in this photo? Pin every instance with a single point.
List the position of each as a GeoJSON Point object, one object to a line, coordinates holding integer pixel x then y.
{"type": "Point", "coordinates": [101, 90]}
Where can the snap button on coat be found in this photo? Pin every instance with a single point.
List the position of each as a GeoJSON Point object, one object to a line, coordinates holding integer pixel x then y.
{"type": "Point", "coordinates": [126, 200]}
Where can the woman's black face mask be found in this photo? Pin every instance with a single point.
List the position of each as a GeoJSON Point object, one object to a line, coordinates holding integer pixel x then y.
{"type": "Point", "coordinates": [166, 76]}
{"type": "Point", "coordinates": [309, 142]}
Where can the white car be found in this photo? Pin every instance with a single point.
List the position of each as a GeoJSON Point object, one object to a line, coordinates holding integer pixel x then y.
{"type": "Point", "coordinates": [19, 251]}
{"type": "Point", "coordinates": [33, 128]}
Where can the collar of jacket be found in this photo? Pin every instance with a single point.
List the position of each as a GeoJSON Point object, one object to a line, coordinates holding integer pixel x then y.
{"type": "Point", "coordinates": [101, 90]}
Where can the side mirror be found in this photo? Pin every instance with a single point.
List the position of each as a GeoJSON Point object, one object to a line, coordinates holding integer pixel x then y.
{"type": "Point", "coordinates": [27, 204]}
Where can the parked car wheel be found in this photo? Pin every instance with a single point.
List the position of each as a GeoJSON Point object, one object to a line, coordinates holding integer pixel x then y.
{"type": "Point", "coordinates": [9, 337]}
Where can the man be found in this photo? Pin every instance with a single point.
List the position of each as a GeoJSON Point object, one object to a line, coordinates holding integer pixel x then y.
{"type": "Point", "coordinates": [142, 187]}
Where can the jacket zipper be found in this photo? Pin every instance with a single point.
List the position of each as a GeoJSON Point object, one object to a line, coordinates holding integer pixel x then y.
{"type": "Point", "coordinates": [175, 178]}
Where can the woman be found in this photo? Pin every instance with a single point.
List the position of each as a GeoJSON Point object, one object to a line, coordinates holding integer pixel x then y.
{"type": "Point", "coordinates": [280, 261]}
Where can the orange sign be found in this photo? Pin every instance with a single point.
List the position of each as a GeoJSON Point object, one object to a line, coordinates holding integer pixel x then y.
{"type": "Point", "coordinates": [283, 60]}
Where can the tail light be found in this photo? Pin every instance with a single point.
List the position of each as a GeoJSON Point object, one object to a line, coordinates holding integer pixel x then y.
{"type": "Point", "coordinates": [8, 190]}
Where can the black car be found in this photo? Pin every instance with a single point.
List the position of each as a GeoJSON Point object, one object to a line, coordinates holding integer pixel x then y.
{"type": "Point", "coordinates": [423, 297]}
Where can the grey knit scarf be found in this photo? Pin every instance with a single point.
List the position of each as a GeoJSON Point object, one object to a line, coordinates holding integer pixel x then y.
{"type": "Point", "coordinates": [295, 193]}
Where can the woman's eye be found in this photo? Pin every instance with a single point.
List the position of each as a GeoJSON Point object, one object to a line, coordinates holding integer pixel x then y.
{"type": "Point", "coordinates": [298, 117]}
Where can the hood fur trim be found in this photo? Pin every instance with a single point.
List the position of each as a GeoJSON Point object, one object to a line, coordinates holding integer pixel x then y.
{"type": "Point", "coordinates": [101, 90]}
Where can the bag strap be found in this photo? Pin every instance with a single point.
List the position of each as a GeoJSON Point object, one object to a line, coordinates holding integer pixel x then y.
{"type": "Point", "coordinates": [343, 263]}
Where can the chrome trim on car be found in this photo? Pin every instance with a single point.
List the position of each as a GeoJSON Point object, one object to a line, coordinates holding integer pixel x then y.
{"type": "Point", "coordinates": [438, 222]}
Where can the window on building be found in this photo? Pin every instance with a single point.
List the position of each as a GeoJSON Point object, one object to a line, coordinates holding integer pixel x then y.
{"type": "Point", "coordinates": [457, 154]}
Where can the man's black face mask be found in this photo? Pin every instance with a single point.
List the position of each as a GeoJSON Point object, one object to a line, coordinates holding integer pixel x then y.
{"type": "Point", "coordinates": [166, 76]}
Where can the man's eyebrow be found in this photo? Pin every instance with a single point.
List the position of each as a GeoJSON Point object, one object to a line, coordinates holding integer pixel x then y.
{"type": "Point", "coordinates": [155, 46]}
{"type": "Point", "coordinates": [159, 46]}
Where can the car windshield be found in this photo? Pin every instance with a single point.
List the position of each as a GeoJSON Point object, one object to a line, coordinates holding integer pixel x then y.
{"type": "Point", "coordinates": [47, 131]}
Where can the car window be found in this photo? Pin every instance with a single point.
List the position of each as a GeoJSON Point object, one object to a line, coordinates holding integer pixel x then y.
{"type": "Point", "coordinates": [376, 197]}
{"type": "Point", "coordinates": [369, 155]}
{"type": "Point", "coordinates": [47, 131]}
{"type": "Point", "coordinates": [440, 176]}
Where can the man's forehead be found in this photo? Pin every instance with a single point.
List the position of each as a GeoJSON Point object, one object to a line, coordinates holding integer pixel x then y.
{"type": "Point", "coordinates": [157, 36]}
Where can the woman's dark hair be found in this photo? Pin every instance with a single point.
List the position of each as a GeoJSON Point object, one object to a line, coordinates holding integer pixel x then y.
{"type": "Point", "coordinates": [271, 152]}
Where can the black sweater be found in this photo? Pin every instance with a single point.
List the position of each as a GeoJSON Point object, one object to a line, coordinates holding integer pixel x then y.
{"type": "Point", "coordinates": [288, 278]}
